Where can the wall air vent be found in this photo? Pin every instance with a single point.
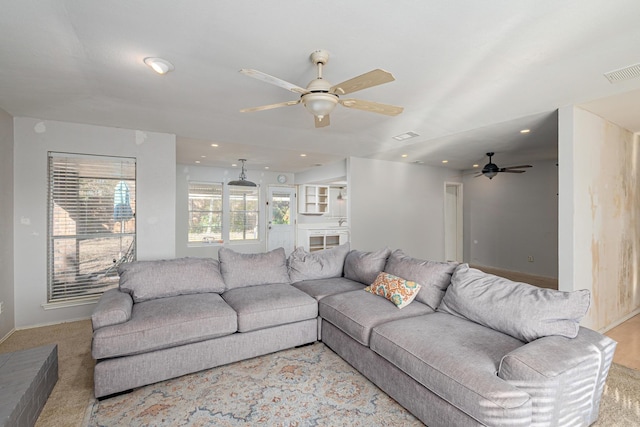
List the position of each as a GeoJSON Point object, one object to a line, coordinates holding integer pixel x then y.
{"type": "Point", "coordinates": [625, 73]}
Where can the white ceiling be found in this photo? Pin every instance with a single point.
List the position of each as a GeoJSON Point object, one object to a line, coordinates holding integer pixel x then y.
{"type": "Point", "coordinates": [469, 74]}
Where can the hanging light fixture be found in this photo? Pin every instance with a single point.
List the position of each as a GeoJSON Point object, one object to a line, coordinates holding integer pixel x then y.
{"type": "Point", "coordinates": [242, 182]}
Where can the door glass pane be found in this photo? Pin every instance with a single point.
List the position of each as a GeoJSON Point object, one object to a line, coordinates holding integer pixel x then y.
{"type": "Point", "coordinates": [281, 208]}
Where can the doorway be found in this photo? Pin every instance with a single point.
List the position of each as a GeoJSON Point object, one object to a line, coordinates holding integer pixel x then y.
{"type": "Point", "coordinates": [453, 240]}
{"type": "Point", "coordinates": [281, 224]}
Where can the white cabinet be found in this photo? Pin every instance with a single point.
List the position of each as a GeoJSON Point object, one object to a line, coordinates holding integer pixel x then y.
{"type": "Point", "coordinates": [313, 199]}
{"type": "Point", "coordinates": [318, 239]}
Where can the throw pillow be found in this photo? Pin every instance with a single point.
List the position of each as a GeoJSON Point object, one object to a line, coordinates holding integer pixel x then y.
{"type": "Point", "coordinates": [146, 280]}
{"type": "Point", "coordinates": [364, 267]}
{"type": "Point", "coordinates": [323, 264]}
{"type": "Point", "coordinates": [523, 311]}
{"type": "Point", "coordinates": [396, 289]}
{"type": "Point", "coordinates": [433, 276]}
{"type": "Point", "coordinates": [241, 270]}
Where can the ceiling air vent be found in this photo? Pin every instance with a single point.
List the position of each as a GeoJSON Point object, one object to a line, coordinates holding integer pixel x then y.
{"type": "Point", "coordinates": [623, 73]}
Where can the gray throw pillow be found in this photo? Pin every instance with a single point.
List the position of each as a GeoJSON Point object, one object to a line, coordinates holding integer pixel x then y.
{"type": "Point", "coordinates": [433, 276]}
{"type": "Point", "coordinates": [323, 264]}
{"type": "Point", "coordinates": [145, 280]}
{"type": "Point", "coordinates": [364, 267]}
{"type": "Point", "coordinates": [241, 270]}
{"type": "Point", "coordinates": [523, 311]}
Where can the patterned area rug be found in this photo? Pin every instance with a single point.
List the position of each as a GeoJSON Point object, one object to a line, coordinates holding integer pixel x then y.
{"type": "Point", "coordinates": [307, 386]}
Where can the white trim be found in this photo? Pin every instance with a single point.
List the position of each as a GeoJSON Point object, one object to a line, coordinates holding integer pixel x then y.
{"type": "Point", "coordinates": [620, 321]}
{"type": "Point", "coordinates": [72, 303]}
{"type": "Point", "coordinates": [40, 325]}
{"type": "Point", "coordinates": [4, 338]}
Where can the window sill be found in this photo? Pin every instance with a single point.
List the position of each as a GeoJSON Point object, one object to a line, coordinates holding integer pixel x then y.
{"type": "Point", "coordinates": [67, 304]}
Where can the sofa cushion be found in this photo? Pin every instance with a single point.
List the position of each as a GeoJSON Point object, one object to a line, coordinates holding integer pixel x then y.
{"type": "Point", "coordinates": [321, 288]}
{"type": "Point", "coordinates": [323, 264]}
{"type": "Point", "coordinates": [166, 322]}
{"type": "Point", "coordinates": [113, 307]}
{"type": "Point", "coordinates": [521, 310]}
{"type": "Point", "coordinates": [260, 307]}
{"type": "Point", "coordinates": [433, 276]}
{"type": "Point", "coordinates": [364, 267]}
{"type": "Point", "coordinates": [146, 280]}
{"type": "Point", "coordinates": [457, 360]}
{"type": "Point", "coordinates": [356, 313]}
{"type": "Point", "coordinates": [240, 270]}
{"type": "Point", "coordinates": [396, 289]}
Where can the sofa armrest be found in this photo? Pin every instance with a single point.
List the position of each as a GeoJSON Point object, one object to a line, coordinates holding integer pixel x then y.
{"type": "Point", "coordinates": [565, 377]}
{"type": "Point", "coordinates": [113, 307]}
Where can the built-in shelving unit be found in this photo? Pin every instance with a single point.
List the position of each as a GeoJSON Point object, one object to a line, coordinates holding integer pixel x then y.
{"type": "Point", "coordinates": [314, 199]}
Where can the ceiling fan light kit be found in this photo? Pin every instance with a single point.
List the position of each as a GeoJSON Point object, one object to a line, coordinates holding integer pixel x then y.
{"type": "Point", "coordinates": [159, 65]}
{"type": "Point", "coordinates": [320, 97]}
{"type": "Point", "coordinates": [490, 170]}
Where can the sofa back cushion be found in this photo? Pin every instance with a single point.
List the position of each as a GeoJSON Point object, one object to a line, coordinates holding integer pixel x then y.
{"type": "Point", "coordinates": [323, 264]}
{"type": "Point", "coordinates": [433, 276]}
{"type": "Point", "coordinates": [364, 267]}
{"type": "Point", "coordinates": [524, 311]}
{"type": "Point", "coordinates": [146, 280]}
{"type": "Point", "coordinates": [241, 270]}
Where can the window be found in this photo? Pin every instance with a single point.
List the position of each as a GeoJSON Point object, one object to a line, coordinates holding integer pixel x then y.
{"type": "Point", "coordinates": [205, 212]}
{"type": "Point", "coordinates": [92, 226]}
{"type": "Point", "coordinates": [243, 212]}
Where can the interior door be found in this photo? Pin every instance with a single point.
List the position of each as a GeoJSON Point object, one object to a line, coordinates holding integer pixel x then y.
{"type": "Point", "coordinates": [281, 221]}
{"type": "Point", "coordinates": [453, 240]}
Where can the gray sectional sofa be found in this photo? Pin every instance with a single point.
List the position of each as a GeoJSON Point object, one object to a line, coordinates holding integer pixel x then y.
{"type": "Point", "coordinates": [453, 345]}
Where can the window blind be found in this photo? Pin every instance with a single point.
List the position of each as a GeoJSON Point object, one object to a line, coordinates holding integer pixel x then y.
{"type": "Point", "coordinates": [92, 226]}
{"type": "Point", "coordinates": [244, 205]}
{"type": "Point", "coordinates": [205, 212]}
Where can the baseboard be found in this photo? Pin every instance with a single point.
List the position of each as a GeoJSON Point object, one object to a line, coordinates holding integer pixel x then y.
{"type": "Point", "coordinates": [4, 338]}
{"type": "Point", "coordinates": [620, 321]}
{"type": "Point", "coordinates": [39, 325]}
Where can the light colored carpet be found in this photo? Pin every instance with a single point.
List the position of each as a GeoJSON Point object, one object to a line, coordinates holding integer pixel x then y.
{"type": "Point", "coordinates": [71, 403]}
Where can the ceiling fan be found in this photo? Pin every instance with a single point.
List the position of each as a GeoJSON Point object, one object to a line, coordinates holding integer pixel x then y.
{"type": "Point", "coordinates": [320, 97]}
{"type": "Point", "coordinates": [491, 169]}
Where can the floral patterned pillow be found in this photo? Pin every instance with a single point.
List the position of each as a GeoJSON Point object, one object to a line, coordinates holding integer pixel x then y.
{"type": "Point", "coordinates": [396, 289]}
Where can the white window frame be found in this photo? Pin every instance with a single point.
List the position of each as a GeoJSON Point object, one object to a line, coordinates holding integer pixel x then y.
{"type": "Point", "coordinates": [91, 225]}
{"type": "Point", "coordinates": [246, 212]}
{"type": "Point", "coordinates": [214, 187]}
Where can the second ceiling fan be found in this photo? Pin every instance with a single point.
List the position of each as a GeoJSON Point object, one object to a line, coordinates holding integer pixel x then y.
{"type": "Point", "coordinates": [320, 97]}
{"type": "Point", "coordinates": [491, 169]}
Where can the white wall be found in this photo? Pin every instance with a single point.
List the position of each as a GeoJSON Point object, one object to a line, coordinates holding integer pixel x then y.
{"type": "Point", "coordinates": [155, 204]}
{"type": "Point", "coordinates": [7, 321]}
{"type": "Point", "coordinates": [184, 174]}
{"type": "Point", "coordinates": [599, 242]}
{"type": "Point", "coordinates": [398, 205]}
{"type": "Point", "coordinates": [511, 217]}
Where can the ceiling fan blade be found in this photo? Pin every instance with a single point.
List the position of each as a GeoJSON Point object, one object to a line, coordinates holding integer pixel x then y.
{"type": "Point", "coordinates": [322, 123]}
{"type": "Point", "coordinates": [273, 80]}
{"type": "Point", "coordinates": [518, 167]}
{"type": "Point", "coordinates": [270, 106]}
{"type": "Point", "coordinates": [366, 80]}
{"type": "Point", "coordinates": [478, 174]}
{"type": "Point", "coordinates": [374, 107]}
{"type": "Point", "coordinates": [510, 171]}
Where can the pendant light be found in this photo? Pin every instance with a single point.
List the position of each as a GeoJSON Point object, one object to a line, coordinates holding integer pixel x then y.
{"type": "Point", "coordinates": [242, 182]}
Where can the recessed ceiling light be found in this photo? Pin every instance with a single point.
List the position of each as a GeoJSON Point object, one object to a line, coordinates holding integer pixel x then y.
{"type": "Point", "coordinates": [197, 161]}
{"type": "Point", "coordinates": [405, 155]}
{"type": "Point", "coordinates": [406, 135]}
{"type": "Point", "coordinates": [476, 165]}
{"type": "Point", "coordinates": [203, 157]}
{"type": "Point", "coordinates": [303, 155]}
{"type": "Point", "coordinates": [159, 65]}
{"type": "Point", "coordinates": [233, 165]}
{"type": "Point", "coordinates": [266, 167]}
{"type": "Point", "coordinates": [525, 131]}
{"type": "Point", "coordinates": [215, 145]}
{"type": "Point", "coordinates": [445, 161]}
